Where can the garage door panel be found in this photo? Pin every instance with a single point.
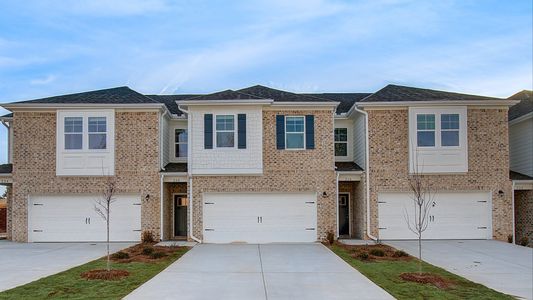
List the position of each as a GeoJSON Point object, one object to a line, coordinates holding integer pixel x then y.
{"type": "Point", "coordinates": [259, 218]}
{"type": "Point", "coordinates": [454, 216]}
{"type": "Point", "coordinates": [72, 218]}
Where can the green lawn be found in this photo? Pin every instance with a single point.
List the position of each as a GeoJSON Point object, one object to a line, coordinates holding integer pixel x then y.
{"type": "Point", "coordinates": [69, 284]}
{"type": "Point", "coordinates": [386, 275]}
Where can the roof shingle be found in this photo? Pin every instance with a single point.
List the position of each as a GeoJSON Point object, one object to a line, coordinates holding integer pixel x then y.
{"type": "Point", "coordinates": [524, 107]}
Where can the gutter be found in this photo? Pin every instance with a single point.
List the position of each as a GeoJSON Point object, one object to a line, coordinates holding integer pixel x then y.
{"type": "Point", "coordinates": [500, 102]}
{"type": "Point", "coordinates": [512, 204]}
{"type": "Point", "coordinates": [189, 173]}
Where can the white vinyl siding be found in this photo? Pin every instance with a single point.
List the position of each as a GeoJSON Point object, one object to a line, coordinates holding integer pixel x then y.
{"type": "Point", "coordinates": [171, 140]}
{"type": "Point", "coordinates": [349, 125]}
{"type": "Point", "coordinates": [429, 127]}
{"type": "Point", "coordinates": [359, 140]}
{"type": "Point", "coordinates": [166, 146]}
{"type": "Point", "coordinates": [94, 155]}
{"type": "Point", "coordinates": [521, 146]}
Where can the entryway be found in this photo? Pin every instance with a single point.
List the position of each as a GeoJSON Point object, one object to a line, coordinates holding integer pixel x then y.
{"type": "Point", "coordinates": [180, 215]}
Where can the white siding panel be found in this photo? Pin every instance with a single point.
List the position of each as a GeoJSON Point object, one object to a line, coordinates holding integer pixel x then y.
{"type": "Point", "coordinates": [227, 160]}
{"type": "Point", "coordinates": [165, 148]}
{"type": "Point", "coordinates": [359, 138]}
{"type": "Point", "coordinates": [350, 126]}
{"type": "Point", "coordinates": [521, 146]}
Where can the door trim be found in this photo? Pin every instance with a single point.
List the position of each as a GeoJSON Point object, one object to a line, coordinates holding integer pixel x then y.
{"type": "Point", "coordinates": [349, 213]}
{"type": "Point", "coordinates": [173, 235]}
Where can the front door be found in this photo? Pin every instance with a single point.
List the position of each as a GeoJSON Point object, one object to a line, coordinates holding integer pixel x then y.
{"type": "Point", "coordinates": [180, 215]}
{"type": "Point", "coordinates": [344, 214]}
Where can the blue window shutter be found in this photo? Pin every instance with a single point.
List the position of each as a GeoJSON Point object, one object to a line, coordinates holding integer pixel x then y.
{"type": "Point", "coordinates": [309, 132]}
{"type": "Point", "coordinates": [241, 131]}
{"type": "Point", "coordinates": [280, 132]}
{"type": "Point", "coordinates": [208, 131]}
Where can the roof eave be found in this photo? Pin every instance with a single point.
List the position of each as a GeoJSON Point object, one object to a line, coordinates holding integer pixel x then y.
{"type": "Point", "coordinates": [307, 103]}
{"type": "Point", "coordinates": [502, 102]}
{"type": "Point", "coordinates": [521, 118]}
{"type": "Point", "coordinates": [225, 102]}
{"type": "Point", "coordinates": [11, 106]}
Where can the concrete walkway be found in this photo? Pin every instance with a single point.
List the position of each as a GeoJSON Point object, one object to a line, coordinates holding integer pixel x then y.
{"type": "Point", "coordinates": [21, 263]}
{"type": "Point", "coordinates": [500, 266]}
{"type": "Point", "coordinates": [270, 271]}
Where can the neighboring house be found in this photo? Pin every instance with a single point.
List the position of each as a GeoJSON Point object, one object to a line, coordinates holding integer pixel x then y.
{"type": "Point", "coordinates": [257, 165]}
{"type": "Point", "coordinates": [521, 163]}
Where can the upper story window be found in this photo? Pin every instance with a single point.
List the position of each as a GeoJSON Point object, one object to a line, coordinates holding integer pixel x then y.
{"type": "Point", "coordinates": [97, 133]}
{"type": "Point", "coordinates": [295, 132]}
{"type": "Point", "coordinates": [425, 130]}
{"type": "Point", "coordinates": [180, 143]}
{"type": "Point", "coordinates": [341, 141]}
{"type": "Point", "coordinates": [225, 131]}
{"type": "Point", "coordinates": [73, 128]}
{"type": "Point", "coordinates": [449, 130]}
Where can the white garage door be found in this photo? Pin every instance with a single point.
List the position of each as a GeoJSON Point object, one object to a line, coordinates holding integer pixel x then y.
{"type": "Point", "coordinates": [259, 218]}
{"type": "Point", "coordinates": [453, 216]}
{"type": "Point", "coordinates": [72, 218]}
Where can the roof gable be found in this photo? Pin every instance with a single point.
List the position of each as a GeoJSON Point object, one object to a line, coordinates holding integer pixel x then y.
{"type": "Point", "coordinates": [398, 93]}
{"type": "Point", "coordinates": [524, 107]}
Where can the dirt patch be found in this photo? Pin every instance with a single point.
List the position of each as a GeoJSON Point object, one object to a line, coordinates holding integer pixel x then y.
{"type": "Point", "coordinates": [376, 252]}
{"type": "Point", "coordinates": [145, 253]}
{"type": "Point", "coordinates": [430, 278]}
{"type": "Point", "coordinates": [105, 274]}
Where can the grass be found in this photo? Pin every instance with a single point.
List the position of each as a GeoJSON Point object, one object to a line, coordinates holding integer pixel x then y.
{"type": "Point", "coordinates": [69, 284]}
{"type": "Point", "coordinates": [386, 275]}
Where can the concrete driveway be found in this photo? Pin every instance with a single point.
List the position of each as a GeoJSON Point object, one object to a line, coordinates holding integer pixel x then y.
{"type": "Point", "coordinates": [21, 263]}
{"type": "Point", "coordinates": [270, 271]}
{"type": "Point", "coordinates": [501, 266]}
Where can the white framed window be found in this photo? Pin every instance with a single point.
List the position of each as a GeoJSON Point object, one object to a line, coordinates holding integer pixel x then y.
{"type": "Point", "coordinates": [180, 143]}
{"type": "Point", "coordinates": [425, 130]}
{"type": "Point", "coordinates": [225, 131]}
{"type": "Point", "coordinates": [73, 133]}
{"type": "Point", "coordinates": [449, 130]}
{"type": "Point", "coordinates": [438, 139]}
{"type": "Point", "coordinates": [295, 132]}
{"type": "Point", "coordinates": [341, 141]}
{"type": "Point", "coordinates": [97, 132]}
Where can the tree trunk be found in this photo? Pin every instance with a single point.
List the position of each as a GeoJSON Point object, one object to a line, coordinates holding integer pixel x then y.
{"type": "Point", "coordinates": [420, 253]}
{"type": "Point", "coordinates": [107, 223]}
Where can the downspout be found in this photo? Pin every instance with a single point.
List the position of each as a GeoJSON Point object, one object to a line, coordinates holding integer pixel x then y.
{"type": "Point", "coordinates": [161, 167]}
{"type": "Point", "coordinates": [337, 206]}
{"type": "Point", "coordinates": [367, 175]}
{"type": "Point", "coordinates": [189, 174]}
{"type": "Point", "coordinates": [514, 229]}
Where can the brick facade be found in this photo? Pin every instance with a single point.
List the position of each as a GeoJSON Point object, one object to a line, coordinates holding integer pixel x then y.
{"type": "Point", "coordinates": [523, 205]}
{"type": "Point", "coordinates": [488, 161]}
{"type": "Point", "coordinates": [284, 171]}
{"type": "Point", "coordinates": [34, 161]}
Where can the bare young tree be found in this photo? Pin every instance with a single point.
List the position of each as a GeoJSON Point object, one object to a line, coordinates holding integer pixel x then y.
{"type": "Point", "coordinates": [422, 201]}
{"type": "Point", "coordinates": [103, 207]}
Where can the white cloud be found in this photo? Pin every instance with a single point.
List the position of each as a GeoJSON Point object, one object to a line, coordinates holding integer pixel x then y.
{"type": "Point", "coordinates": [45, 80]}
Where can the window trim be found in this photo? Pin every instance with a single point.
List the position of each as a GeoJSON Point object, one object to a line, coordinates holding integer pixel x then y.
{"type": "Point", "coordinates": [343, 142]}
{"type": "Point", "coordinates": [102, 132]}
{"type": "Point", "coordinates": [176, 157]}
{"type": "Point", "coordinates": [434, 130]}
{"type": "Point", "coordinates": [72, 133]}
{"type": "Point", "coordinates": [438, 130]}
{"type": "Point", "coordinates": [215, 131]}
{"type": "Point", "coordinates": [303, 133]}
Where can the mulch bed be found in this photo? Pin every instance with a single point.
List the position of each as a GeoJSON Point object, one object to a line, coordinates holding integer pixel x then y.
{"type": "Point", "coordinates": [365, 252]}
{"type": "Point", "coordinates": [135, 253]}
{"type": "Point", "coordinates": [430, 278]}
{"type": "Point", "coordinates": [105, 275]}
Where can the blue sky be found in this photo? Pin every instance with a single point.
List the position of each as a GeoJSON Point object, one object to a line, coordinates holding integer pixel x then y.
{"type": "Point", "coordinates": [51, 47]}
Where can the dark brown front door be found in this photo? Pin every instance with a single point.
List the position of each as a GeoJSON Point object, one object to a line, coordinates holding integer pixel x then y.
{"type": "Point", "coordinates": [344, 214]}
{"type": "Point", "coordinates": [180, 215]}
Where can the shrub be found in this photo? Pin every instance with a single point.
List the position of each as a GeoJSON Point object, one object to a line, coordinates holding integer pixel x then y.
{"type": "Point", "coordinates": [510, 239]}
{"type": "Point", "coordinates": [400, 253]}
{"type": "Point", "coordinates": [156, 255]}
{"type": "Point", "coordinates": [524, 241]}
{"type": "Point", "coordinates": [120, 255]}
{"type": "Point", "coordinates": [147, 250]}
{"type": "Point", "coordinates": [147, 237]}
{"type": "Point", "coordinates": [363, 256]}
{"type": "Point", "coordinates": [377, 252]}
{"type": "Point", "coordinates": [330, 237]}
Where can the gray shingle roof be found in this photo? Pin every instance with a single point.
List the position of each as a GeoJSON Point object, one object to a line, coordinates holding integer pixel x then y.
{"type": "Point", "coordinates": [6, 168]}
{"type": "Point", "coordinates": [170, 101]}
{"type": "Point", "coordinates": [398, 93]}
{"type": "Point", "coordinates": [346, 100]}
{"type": "Point", "coordinates": [10, 115]}
{"type": "Point", "coordinates": [347, 166]}
{"type": "Point", "coordinates": [175, 168]}
{"type": "Point", "coordinates": [519, 176]}
{"type": "Point", "coordinates": [279, 95]}
{"type": "Point", "coordinates": [524, 107]}
{"type": "Point", "coordinates": [227, 95]}
{"type": "Point", "coordinates": [118, 95]}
